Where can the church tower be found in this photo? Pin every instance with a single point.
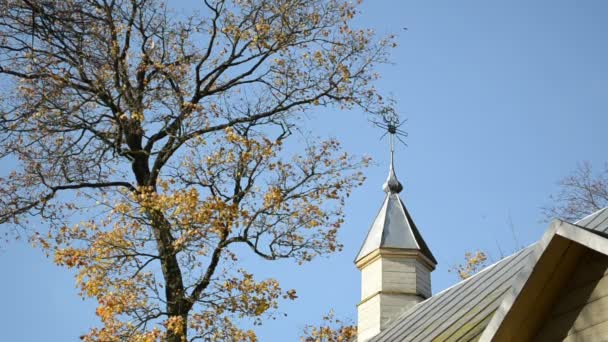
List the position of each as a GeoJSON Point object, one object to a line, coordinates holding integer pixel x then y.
{"type": "Point", "coordinates": [394, 261]}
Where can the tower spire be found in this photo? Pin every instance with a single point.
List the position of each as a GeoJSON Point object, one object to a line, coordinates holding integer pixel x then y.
{"type": "Point", "coordinates": [394, 260]}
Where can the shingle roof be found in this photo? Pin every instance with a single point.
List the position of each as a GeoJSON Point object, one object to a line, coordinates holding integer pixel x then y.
{"type": "Point", "coordinates": [461, 312]}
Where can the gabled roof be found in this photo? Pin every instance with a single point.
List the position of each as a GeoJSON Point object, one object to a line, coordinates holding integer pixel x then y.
{"type": "Point", "coordinates": [556, 257]}
{"type": "Point", "coordinates": [463, 311]}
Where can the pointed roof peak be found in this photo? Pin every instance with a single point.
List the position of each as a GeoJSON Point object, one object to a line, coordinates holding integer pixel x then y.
{"type": "Point", "coordinates": [394, 228]}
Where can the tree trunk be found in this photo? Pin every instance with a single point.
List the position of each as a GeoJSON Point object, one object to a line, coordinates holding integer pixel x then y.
{"type": "Point", "coordinates": [177, 303]}
{"type": "Point", "coordinates": [175, 296]}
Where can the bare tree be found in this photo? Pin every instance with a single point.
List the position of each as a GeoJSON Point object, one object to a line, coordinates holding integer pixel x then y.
{"type": "Point", "coordinates": [146, 146]}
{"type": "Point", "coordinates": [580, 194]}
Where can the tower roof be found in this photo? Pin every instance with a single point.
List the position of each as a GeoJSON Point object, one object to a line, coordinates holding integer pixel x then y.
{"type": "Point", "coordinates": [393, 226]}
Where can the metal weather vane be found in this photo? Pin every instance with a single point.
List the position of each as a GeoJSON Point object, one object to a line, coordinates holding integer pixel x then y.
{"type": "Point", "coordinates": [391, 123]}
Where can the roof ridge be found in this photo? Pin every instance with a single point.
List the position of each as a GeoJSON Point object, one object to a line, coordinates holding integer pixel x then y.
{"type": "Point", "coordinates": [488, 267]}
{"type": "Point", "coordinates": [592, 214]}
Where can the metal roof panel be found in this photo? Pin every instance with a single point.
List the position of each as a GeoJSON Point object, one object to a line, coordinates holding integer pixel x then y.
{"type": "Point", "coordinates": [394, 228]}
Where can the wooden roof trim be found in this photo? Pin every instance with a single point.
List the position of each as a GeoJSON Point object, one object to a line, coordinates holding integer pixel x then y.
{"type": "Point", "coordinates": [585, 237]}
{"type": "Point", "coordinates": [395, 253]}
{"type": "Point", "coordinates": [558, 228]}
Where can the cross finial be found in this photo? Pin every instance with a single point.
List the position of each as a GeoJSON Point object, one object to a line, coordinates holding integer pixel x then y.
{"type": "Point", "coordinates": [391, 124]}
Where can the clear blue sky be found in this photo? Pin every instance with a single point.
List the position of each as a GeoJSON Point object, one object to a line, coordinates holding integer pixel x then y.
{"type": "Point", "coordinates": [503, 98]}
